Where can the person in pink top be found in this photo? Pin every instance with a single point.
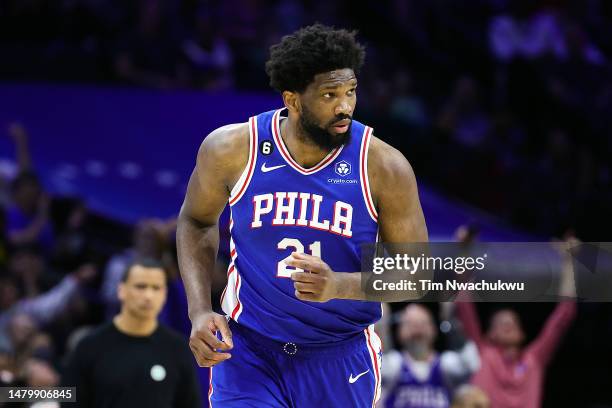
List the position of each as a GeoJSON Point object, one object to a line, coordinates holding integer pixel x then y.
{"type": "Point", "coordinates": [512, 375]}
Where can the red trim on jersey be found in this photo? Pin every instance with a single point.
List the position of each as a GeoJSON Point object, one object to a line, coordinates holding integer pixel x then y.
{"type": "Point", "coordinates": [210, 387]}
{"type": "Point", "coordinates": [238, 305]}
{"type": "Point", "coordinates": [223, 294]}
{"type": "Point", "coordinates": [285, 152]}
{"type": "Point", "coordinates": [251, 162]}
{"type": "Point", "coordinates": [230, 269]}
{"type": "Point", "coordinates": [365, 184]}
{"type": "Point", "coordinates": [376, 372]}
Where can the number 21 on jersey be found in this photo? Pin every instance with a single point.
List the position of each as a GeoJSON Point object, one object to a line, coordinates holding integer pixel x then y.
{"type": "Point", "coordinates": [283, 270]}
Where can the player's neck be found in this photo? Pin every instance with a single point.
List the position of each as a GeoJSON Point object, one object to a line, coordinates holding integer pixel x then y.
{"type": "Point", "coordinates": [305, 152]}
{"type": "Point", "coordinates": [130, 325]}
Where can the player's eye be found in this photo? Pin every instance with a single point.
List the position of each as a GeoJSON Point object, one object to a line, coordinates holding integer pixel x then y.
{"type": "Point", "coordinates": [351, 92]}
{"type": "Point", "coordinates": [328, 95]}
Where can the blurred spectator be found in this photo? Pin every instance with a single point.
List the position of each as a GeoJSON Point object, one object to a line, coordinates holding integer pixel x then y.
{"type": "Point", "coordinates": [17, 313]}
{"type": "Point", "coordinates": [98, 367]}
{"type": "Point", "coordinates": [416, 376]}
{"type": "Point", "coordinates": [148, 242]}
{"type": "Point", "coordinates": [28, 216]}
{"type": "Point", "coordinates": [512, 375]}
{"type": "Point", "coordinates": [27, 211]}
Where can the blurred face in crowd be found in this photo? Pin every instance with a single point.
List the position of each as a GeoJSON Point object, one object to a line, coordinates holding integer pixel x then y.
{"type": "Point", "coordinates": [506, 330]}
{"type": "Point", "coordinates": [143, 294]}
{"type": "Point", "coordinates": [21, 329]}
{"type": "Point", "coordinates": [326, 108]}
{"type": "Point", "coordinates": [417, 331]}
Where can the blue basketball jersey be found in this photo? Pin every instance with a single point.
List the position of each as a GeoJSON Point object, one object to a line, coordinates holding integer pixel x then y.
{"type": "Point", "coordinates": [409, 392]}
{"type": "Point", "coordinates": [278, 207]}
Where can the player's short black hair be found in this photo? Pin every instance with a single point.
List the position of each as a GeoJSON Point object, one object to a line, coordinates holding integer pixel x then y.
{"type": "Point", "coordinates": [149, 263]}
{"type": "Point", "coordinates": [312, 50]}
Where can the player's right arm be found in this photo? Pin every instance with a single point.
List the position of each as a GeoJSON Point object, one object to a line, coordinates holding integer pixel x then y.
{"type": "Point", "coordinates": [221, 159]}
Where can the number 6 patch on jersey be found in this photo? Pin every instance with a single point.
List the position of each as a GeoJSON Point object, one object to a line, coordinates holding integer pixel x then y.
{"type": "Point", "coordinates": [266, 147]}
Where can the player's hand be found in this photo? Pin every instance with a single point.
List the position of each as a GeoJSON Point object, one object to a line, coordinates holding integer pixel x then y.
{"type": "Point", "coordinates": [318, 283]}
{"type": "Point", "coordinates": [203, 342]}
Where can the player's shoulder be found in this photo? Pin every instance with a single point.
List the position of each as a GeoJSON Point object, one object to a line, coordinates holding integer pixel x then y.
{"type": "Point", "coordinates": [232, 138]}
{"type": "Point", "coordinates": [385, 162]}
{"type": "Point", "coordinates": [225, 151]}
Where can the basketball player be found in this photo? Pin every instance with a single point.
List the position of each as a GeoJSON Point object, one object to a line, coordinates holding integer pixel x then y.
{"type": "Point", "coordinates": [306, 185]}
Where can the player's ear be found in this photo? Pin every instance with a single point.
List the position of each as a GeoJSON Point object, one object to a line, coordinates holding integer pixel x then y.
{"type": "Point", "coordinates": [292, 101]}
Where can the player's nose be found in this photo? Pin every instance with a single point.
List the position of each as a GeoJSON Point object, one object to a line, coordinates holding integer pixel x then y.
{"type": "Point", "coordinates": [344, 108]}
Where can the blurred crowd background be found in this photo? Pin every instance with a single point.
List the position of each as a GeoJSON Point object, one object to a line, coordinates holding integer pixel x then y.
{"type": "Point", "coordinates": [501, 104]}
{"type": "Point", "coordinates": [492, 91]}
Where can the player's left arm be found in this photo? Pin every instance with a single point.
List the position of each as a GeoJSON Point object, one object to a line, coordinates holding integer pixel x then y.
{"type": "Point", "coordinates": [400, 219]}
{"type": "Point", "coordinates": [396, 196]}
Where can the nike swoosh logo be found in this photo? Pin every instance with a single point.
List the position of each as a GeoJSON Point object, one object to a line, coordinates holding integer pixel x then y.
{"type": "Point", "coordinates": [265, 169]}
{"type": "Point", "coordinates": [353, 379]}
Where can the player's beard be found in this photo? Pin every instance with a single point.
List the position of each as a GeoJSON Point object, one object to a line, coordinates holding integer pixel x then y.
{"type": "Point", "coordinates": [322, 136]}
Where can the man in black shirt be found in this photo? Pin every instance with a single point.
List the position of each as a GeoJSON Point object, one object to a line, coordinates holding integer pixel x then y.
{"type": "Point", "coordinates": [133, 361]}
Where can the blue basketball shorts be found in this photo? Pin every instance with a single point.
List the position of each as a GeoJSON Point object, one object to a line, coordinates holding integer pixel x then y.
{"type": "Point", "coordinates": [264, 373]}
